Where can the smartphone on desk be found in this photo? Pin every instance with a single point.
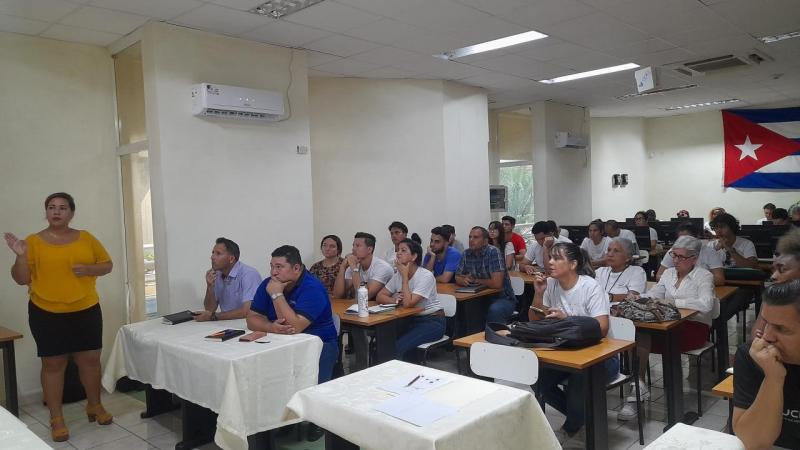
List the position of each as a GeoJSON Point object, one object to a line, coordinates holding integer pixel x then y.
{"type": "Point", "coordinates": [252, 336]}
{"type": "Point", "coordinates": [538, 310]}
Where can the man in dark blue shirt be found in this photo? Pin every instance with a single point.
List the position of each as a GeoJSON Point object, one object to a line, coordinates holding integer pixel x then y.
{"type": "Point", "coordinates": [292, 301]}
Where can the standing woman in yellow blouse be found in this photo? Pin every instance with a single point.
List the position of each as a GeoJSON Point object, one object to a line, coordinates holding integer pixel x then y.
{"type": "Point", "coordinates": [60, 265]}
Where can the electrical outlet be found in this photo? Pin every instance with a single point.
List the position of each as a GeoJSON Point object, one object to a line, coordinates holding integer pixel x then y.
{"type": "Point", "coordinates": [302, 150]}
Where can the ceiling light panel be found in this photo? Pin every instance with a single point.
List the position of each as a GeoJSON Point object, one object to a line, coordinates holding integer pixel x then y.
{"type": "Point", "coordinates": [700, 105]}
{"type": "Point", "coordinates": [488, 46]}
{"type": "Point", "coordinates": [591, 73]}
{"type": "Point", "coordinates": [282, 8]}
{"type": "Point", "coordinates": [779, 37]}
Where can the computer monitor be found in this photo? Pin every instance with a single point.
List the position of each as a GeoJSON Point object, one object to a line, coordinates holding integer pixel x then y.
{"type": "Point", "coordinates": [577, 232]}
{"type": "Point", "coordinates": [765, 238]}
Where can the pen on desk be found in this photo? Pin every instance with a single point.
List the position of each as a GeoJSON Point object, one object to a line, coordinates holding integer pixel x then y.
{"type": "Point", "coordinates": [412, 381]}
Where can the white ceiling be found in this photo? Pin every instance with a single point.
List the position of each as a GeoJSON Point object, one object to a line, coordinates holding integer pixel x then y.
{"type": "Point", "coordinates": [396, 38]}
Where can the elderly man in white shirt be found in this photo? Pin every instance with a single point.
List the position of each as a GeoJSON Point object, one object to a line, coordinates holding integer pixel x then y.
{"type": "Point", "coordinates": [687, 286]}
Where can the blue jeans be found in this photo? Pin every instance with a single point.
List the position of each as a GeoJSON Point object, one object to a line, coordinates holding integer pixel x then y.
{"type": "Point", "coordinates": [570, 400]}
{"type": "Point", "coordinates": [500, 309]}
{"type": "Point", "coordinates": [419, 330]}
{"type": "Point", "coordinates": [327, 359]}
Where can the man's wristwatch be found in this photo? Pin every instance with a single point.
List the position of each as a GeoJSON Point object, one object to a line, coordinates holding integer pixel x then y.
{"type": "Point", "coordinates": [214, 315]}
{"type": "Point", "coordinates": [356, 270]}
{"type": "Point", "coordinates": [276, 295]}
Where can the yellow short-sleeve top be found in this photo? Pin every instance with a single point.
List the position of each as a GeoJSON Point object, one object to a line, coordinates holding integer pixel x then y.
{"type": "Point", "coordinates": [54, 287]}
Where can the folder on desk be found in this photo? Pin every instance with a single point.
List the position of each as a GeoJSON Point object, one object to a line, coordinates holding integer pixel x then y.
{"type": "Point", "coordinates": [178, 317]}
{"type": "Point", "coordinates": [470, 289]}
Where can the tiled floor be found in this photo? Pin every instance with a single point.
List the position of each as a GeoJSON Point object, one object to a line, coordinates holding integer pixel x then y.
{"type": "Point", "coordinates": [130, 432]}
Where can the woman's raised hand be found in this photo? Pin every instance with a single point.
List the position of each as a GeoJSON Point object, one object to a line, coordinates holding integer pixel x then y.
{"type": "Point", "coordinates": [18, 246]}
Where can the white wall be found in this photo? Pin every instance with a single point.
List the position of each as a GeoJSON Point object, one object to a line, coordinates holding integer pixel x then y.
{"type": "Point", "coordinates": [618, 147]}
{"type": "Point", "coordinates": [57, 124]}
{"type": "Point", "coordinates": [209, 178]}
{"type": "Point", "coordinates": [561, 177]}
{"type": "Point", "coordinates": [408, 150]}
{"type": "Point", "coordinates": [673, 163]}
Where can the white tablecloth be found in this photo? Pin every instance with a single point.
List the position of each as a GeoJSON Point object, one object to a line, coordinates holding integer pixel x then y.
{"type": "Point", "coordinates": [682, 436]}
{"type": "Point", "coordinates": [246, 383]}
{"type": "Point", "coordinates": [489, 416]}
{"type": "Point", "coordinates": [15, 435]}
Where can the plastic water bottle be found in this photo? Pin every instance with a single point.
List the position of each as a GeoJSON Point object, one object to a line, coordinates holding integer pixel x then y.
{"type": "Point", "coordinates": [362, 295]}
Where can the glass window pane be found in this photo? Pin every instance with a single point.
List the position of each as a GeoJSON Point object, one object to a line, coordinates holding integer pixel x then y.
{"type": "Point", "coordinates": [519, 181]}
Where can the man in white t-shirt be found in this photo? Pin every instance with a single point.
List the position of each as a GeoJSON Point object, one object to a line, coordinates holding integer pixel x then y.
{"type": "Point", "coordinates": [708, 259]}
{"type": "Point", "coordinates": [735, 251]}
{"type": "Point", "coordinates": [361, 267]}
{"type": "Point", "coordinates": [543, 240]}
{"type": "Point", "coordinates": [557, 232]}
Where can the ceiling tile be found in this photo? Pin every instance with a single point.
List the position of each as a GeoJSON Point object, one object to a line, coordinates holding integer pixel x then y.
{"type": "Point", "coordinates": [221, 19]}
{"type": "Point", "coordinates": [242, 5]}
{"type": "Point", "coordinates": [384, 31]}
{"type": "Point", "coordinates": [440, 68]}
{"type": "Point", "coordinates": [347, 66]}
{"type": "Point", "coordinates": [104, 20]}
{"type": "Point", "coordinates": [386, 56]}
{"type": "Point", "coordinates": [635, 49]}
{"type": "Point", "coordinates": [285, 33]}
{"type": "Point", "coordinates": [82, 35]}
{"type": "Point", "coordinates": [340, 45]}
{"type": "Point", "coordinates": [723, 46]}
{"type": "Point", "coordinates": [332, 17]}
{"type": "Point", "coordinates": [550, 49]}
{"type": "Point", "coordinates": [545, 12]}
{"type": "Point", "coordinates": [658, 16]}
{"type": "Point", "coordinates": [44, 10]}
{"type": "Point", "coordinates": [429, 43]}
{"type": "Point", "coordinates": [488, 29]}
{"type": "Point", "coordinates": [442, 16]}
{"type": "Point", "coordinates": [521, 67]}
{"type": "Point", "coordinates": [162, 9]}
{"type": "Point", "coordinates": [761, 18]}
{"type": "Point", "coordinates": [597, 31]}
{"type": "Point", "coordinates": [388, 72]}
{"type": "Point", "coordinates": [671, 56]}
{"type": "Point", "coordinates": [494, 80]}
{"type": "Point", "coordinates": [316, 58]}
{"type": "Point", "coordinates": [386, 8]}
{"type": "Point", "coordinates": [13, 24]}
{"type": "Point", "coordinates": [588, 61]}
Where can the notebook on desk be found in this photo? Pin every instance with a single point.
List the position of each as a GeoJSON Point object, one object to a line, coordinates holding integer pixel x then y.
{"type": "Point", "coordinates": [377, 309]}
{"type": "Point", "coordinates": [178, 317]}
{"type": "Point", "coordinates": [470, 289]}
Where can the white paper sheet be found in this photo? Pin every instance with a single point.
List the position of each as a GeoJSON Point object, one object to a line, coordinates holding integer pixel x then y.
{"type": "Point", "coordinates": [415, 410]}
{"type": "Point", "coordinates": [416, 384]}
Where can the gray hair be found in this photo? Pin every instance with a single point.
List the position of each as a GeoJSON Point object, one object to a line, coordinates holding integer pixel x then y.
{"type": "Point", "coordinates": [783, 294]}
{"type": "Point", "coordinates": [789, 244]}
{"type": "Point", "coordinates": [692, 244]}
{"type": "Point", "coordinates": [627, 245]}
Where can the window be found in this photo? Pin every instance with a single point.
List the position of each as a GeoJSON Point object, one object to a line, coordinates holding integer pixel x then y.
{"type": "Point", "coordinates": [518, 177]}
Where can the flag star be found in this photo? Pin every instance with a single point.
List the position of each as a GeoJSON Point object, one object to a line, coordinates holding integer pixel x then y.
{"type": "Point", "coordinates": [748, 149]}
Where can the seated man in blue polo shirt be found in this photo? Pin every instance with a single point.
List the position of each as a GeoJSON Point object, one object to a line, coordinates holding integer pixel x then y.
{"type": "Point", "coordinates": [441, 259]}
{"type": "Point", "coordinates": [293, 301]}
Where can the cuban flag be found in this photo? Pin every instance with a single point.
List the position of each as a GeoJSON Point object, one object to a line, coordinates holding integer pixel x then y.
{"type": "Point", "coordinates": [762, 148]}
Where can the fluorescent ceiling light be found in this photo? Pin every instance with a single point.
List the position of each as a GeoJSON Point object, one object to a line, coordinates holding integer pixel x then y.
{"type": "Point", "coordinates": [507, 41]}
{"type": "Point", "coordinates": [655, 92]}
{"type": "Point", "coordinates": [698, 105]}
{"type": "Point", "coordinates": [779, 37]}
{"type": "Point", "coordinates": [591, 73]}
{"type": "Point", "coordinates": [280, 8]}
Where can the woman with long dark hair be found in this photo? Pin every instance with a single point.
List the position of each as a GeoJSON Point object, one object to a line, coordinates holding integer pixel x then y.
{"type": "Point", "coordinates": [570, 290]}
{"type": "Point", "coordinates": [497, 238]}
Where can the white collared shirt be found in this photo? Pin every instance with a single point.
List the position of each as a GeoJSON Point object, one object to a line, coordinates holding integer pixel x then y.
{"type": "Point", "coordinates": [695, 292]}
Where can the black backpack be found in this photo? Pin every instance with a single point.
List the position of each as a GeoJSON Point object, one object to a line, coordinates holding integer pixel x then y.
{"type": "Point", "coordinates": [571, 332]}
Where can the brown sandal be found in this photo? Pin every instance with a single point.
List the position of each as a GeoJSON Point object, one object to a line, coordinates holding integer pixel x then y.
{"type": "Point", "coordinates": [99, 414]}
{"type": "Point", "coordinates": [58, 431]}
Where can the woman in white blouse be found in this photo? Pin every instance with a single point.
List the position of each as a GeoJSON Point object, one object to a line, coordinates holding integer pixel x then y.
{"type": "Point", "coordinates": [497, 238]}
{"type": "Point", "coordinates": [413, 286]}
{"type": "Point", "coordinates": [687, 286]}
{"type": "Point", "coordinates": [620, 278]}
{"type": "Point", "coordinates": [596, 245]}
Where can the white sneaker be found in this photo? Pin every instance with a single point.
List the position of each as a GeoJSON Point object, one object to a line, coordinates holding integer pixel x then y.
{"type": "Point", "coordinates": [644, 392]}
{"type": "Point", "coordinates": [627, 412]}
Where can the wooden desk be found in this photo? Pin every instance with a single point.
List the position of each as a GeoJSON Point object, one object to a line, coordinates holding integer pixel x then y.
{"type": "Point", "coordinates": [725, 388]}
{"type": "Point", "coordinates": [383, 324]}
{"type": "Point", "coordinates": [671, 360]}
{"type": "Point", "coordinates": [723, 293]}
{"type": "Point", "coordinates": [470, 308]}
{"type": "Point", "coordinates": [7, 338]}
{"type": "Point", "coordinates": [528, 279]}
{"type": "Point", "coordinates": [588, 362]}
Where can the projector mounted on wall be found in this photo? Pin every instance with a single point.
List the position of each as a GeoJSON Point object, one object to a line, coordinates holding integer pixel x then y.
{"type": "Point", "coordinates": [218, 100]}
{"type": "Point", "coordinates": [569, 140]}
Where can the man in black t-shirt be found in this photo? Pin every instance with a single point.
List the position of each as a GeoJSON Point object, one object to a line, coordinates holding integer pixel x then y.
{"type": "Point", "coordinates": [766, 382]}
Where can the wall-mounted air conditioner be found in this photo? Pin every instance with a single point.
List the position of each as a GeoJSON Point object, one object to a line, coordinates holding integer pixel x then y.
{"type": "Point", "coordinates": [218, 100]}
{"type": "Point", "coordinates": [569, 140]}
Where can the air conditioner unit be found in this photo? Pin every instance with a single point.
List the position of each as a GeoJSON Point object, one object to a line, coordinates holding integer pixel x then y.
{"type": "Point", "coordinates": [218, 100]}
{"type": "Point", "coordinates": [569, 140]}
{"type": "Point", "coordinates": [700, 68]}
